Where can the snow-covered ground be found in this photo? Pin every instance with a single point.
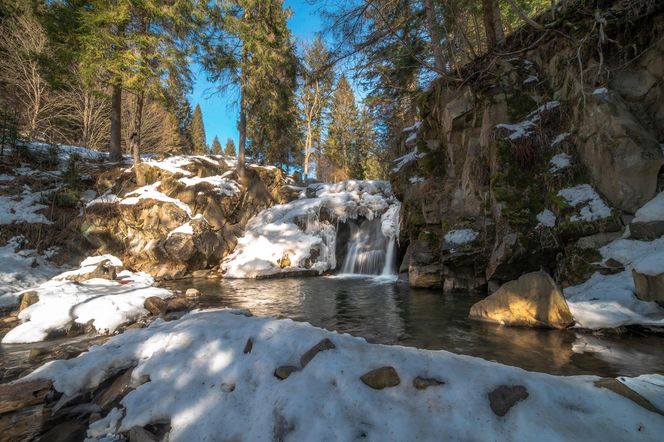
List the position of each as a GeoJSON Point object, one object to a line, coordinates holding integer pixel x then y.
{"type": "Point", "coordinates": [62, 302]}
{"type": "Point", "coordinates": [203, 381]}
{"type": "Point", "coordinates": [298, 232]}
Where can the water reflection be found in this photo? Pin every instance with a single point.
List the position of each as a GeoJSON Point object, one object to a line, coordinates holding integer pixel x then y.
{"type": "Point", "coordinates": [388, 312]}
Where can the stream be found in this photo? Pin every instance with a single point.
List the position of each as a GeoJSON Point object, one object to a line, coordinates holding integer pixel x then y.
{"type": "Point", "coordinates": [384, 311]}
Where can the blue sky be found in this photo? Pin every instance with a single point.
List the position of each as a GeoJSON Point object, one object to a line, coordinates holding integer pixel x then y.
{"type": "Point", "coordinates": [220, 110]}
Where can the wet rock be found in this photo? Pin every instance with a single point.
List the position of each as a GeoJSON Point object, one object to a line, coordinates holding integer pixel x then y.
{"type": "Point", "coordinates": [422, 383]}
{"type": "Point", "coordinates": [192, 293]}
{"type": "Point", "coordinates": [533, 300]}
{"type": "Point", "coordinates": [108, 397]}
{"type": "Point", "coordinates": [155, 305]}
{"type": "Point", "coordinates": [323, 345]}
{"type": "Point", "coordinates": [140, 434]}
{"type": "Point", "coordinates": [503, 398]}
{"type": "Point", "coordinates": [248, 346]}
{"type": "Point", "coordinates": [380, 378]}
{"type": "Point", "coordinates": [27, 299]}
{"type": "Point", "coordinates": [177, 304]}
{"type": "Point", "coordinates": [284, 371]}
{"type": "Point", "coordinates": [22, 395]}
{"type": "Point", "coordinates": [65, 432]}
{"type": "Point", "coordinates": [649, 287]}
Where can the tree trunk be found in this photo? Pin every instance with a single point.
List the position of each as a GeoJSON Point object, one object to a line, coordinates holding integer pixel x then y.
{"type": "Point", "coordinates": [243, 116]}
{"type": "Point", "coordinates": [115, 149]}
{"type": "Point", "coordinates": [434, 34]}
{"type": "Point", "coordinates": [136, 139]}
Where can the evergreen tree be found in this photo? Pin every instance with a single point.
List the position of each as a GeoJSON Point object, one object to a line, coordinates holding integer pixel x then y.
{"type": "Point", "coordinates": [230, 148]}
{"type": "Point", "coordinates": [198, 132]}
{"type": "Point", "coordinates": [216, 146]}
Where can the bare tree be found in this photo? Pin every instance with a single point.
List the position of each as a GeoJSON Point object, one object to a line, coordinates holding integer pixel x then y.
{"type": "Point", "coordinates": [87, 113]}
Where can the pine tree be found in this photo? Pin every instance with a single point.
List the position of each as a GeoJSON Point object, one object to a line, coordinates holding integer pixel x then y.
{"type": "Point", "coordinates": [230, 148]}
{"type": "Point", "coordinates": [340, 159]}
{"type": "Point", "coordinates": [198, 132]}
{"type": "Point", "coordinates": [216, 146]}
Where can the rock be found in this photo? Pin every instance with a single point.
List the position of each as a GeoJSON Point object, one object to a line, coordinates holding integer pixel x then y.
{"type": "Point", "coordinates": [503, 398]}
{"type": "Point", "coordinates": [284, 371]}
{"type": "Point", "coordinates": [284, 262]}
{"type": "Point", "coordinates": [22, 395]}
{"type": "Point", "coordinates": [107, 398]}
{"type": "Point", "coordinates": [227, 388]}
{"type": "Point", "coordinates": [27, 299]}
{"type": "Point", "coordinates": [380, 378]}
{"type": "Point", "coordinates": [65, 432]}
{"type": "Point", "coordinates": [425, 276]}
{"type": "Point", "coordinates": [596, 241]}
{"type": "Point", "coordinates": [192, 293]}
{"type": "Point", "coordinates": [646, 230]}
{"type": "Point", "coordinates": [422, 383]}
{"type": "Point", "coordinates": [248, 346]}
{"type": "Point", "coordinates": [534, 300]}
{"type": "Point", "coordinates": [649, 287]}
{"type": "Point", "coordinates": [323, 345]}
{"type": "Point", "coordinates": [140, 434]}
{"type": "Point", "coordinates": [103, 270]}
{"type": "Point", "coordinates": [180, 247]}
{"type": "Point", "coordinates": [155, 305]}
{"type": "Point", "coordinates": [177, 304]}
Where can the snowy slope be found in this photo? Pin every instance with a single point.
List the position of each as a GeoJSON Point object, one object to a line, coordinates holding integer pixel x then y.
{"type": "Point", "coordinates": [208, 388]}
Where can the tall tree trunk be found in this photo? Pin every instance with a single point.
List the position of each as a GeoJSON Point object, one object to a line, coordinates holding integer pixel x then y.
{"type": "Point", "coordinates": [434, 33]}
{"type": "Point", "coordinates": [243, 115]}
{"type": "Point", "coordinates": [136, 139]}
{"type": "Point", "coordinates": [493, 24]}
{"type": "Point", "coordinates": [115, 148]}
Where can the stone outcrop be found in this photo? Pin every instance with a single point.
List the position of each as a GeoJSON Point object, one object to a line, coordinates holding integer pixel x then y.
{"type": "Point", "coordinates": [533, 155]}
{"type": "Point", "coordinates": [649, 287]}
{"type": "Point", "coordinates": [534, 300]}
{"type": "Point", "coordinates": [186, 219]}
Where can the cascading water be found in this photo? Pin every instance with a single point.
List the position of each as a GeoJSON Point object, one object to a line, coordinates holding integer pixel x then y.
{"type": "Point", "coordinates": [370, 252]}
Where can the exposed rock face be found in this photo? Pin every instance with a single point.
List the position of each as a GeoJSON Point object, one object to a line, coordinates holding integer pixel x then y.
{"type": "Point", "coordinates": [649, 287]}
{"type": "Point", "coordinates": [533, 155]}
{"type": "Point", "coordinates": [534, 300]}
{"type": "Point", "coordinates": [187, 218]}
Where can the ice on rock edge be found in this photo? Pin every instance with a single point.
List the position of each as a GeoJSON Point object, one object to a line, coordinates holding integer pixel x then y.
{"type": "Point", "coordinates": [107, 304]}
{"type": "Point", "coordinates": [188, 360]}
{"type": "Point", "coordinates": [297, 230]}
{"type": "Point", "coordinates": [585, 199]}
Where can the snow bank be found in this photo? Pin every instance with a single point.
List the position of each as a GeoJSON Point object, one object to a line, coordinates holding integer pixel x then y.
{"type": "Point", "coordinates": [108, 304]}
{"type": "Point", "coordinates": [588, 203]}
{"type": "Point", "coordinates": [20, 270]}
{"type": "Point", "coordinates": [304, 230]}
{"type": "Point", "coordinates": [22, 208]}
{"type": "Point", "coordinates": [207, 388]}
{"type": "Point", "coordinates": [606, 301]}
{"type": "Point", "coordinates": [653, 210]}
{"type": "Point", "coordinates": [151, 192]}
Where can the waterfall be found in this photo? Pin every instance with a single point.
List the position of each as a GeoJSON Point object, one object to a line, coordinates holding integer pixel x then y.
{"type": "Point", "coordinates": [369, 252]}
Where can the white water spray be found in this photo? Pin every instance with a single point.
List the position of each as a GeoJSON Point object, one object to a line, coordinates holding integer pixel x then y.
{"type": "Point", "coordinates": [370, 252]}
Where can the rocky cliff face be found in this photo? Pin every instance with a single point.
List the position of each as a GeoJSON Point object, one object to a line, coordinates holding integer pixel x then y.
{"type": "Point", "coordinates": [540, 156]}
{"type": "Point", "coordinates": [187, 218]}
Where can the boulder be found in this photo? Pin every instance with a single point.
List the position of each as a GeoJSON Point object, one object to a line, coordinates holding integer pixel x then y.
{"type": "Point", "coordinates": [27, 299]}
{"type": "Point", "coordinates": [155, 305]}
{"type": "Point", "coordinates": [177, 304]}
{"type": "Point", "coordinates": [103, 270]}
{"type": "Point", "coordinates": [648, 222]}
{"type": "Point", "coordinates": [192, 293]}
{"type": "Point", "coordinates": [503, 398]}
{"type": "Point", "coordinates": [425, 276]}
{"type": "Point", "coordinates": [533, 300]}
{"type": "Point", "coordinates": [380, 378]}
{"type": "Point", "coordinates": [649, 287]}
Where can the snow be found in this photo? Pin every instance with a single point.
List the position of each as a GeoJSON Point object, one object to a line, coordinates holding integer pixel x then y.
{"type": "Point", "coordinates": [185, 228]}
{"type": "Point", "coordinates": [653, 210]}
{"type": "Point", "coordinates": [531, 79]}
{"type": "Point", "coordinates": [524, 128]}
{"type": "Point", "coordinates": [560, 161]}
{"type": "Point", "coordinates": [588, 203]}
{"type": "Point", "coordinates": [559, 139]}
{"type": "Point", "coordinates": [460, 237]}
{"type": "Point", "coordinates": [151, 192]}
{"type": "Point", "coordinates": [407, 159]}
{"type": "Point", "coordinates": [390, 221]}
{"type": "Point", "coordinates": [22, 208]}
{"type": "Point", "coordinates": [202, 383]}
{"type": "Point", "coordinates": [416, 179]}
{"type": "Point", "coordinates": [65, 151]}
{"type": "Point", "coordinates": [106, 198]}
{"type": "Point", "coordinates": [173, 164]}
{"type": "Point", "coordinates": [546, 218]}
{"type": "Point", "coordinates": [20, 270]}
{"type": "Point", "coordinates": [606, 301]}
{"type": "Point", "coordinates": [297, 229]}
{"type": "Point", "coordinates": [601, 92]}
{"type": "Point", "coordinates": [108, 304]}
{"type": "Point", "coordinates": [650, 386]}
{"type": "Point", "coordinates": [222, 185]}
{"type": "Point", "coordinates": [88, 265]}
{"type": "Point", "coordinates": [5, 177]}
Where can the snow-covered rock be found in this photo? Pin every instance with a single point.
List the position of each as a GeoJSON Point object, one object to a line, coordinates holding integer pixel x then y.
{"type": "Point", "coordinates": [648, 221]}
{"type": "Point", "coordinates": [108, 304]}
{"type": "Point", "coordinates": [460, 237]}
{"type": "Point", "coordinates": [302, 233]}
{"type": "Point", "coordinates": [204, 385]}
{"type": "Point", "coordinates": [587, 203]}
{"type": "Point", "coordinates": [560, 161]}
{"type": "Point", "coordinates": [524, 128]}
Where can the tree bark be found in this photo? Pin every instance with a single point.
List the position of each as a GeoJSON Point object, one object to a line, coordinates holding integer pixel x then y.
{"type": "Point", "coordinates": [136, 139]}
{"type": "Point", "coordinates": [434, 34]}
{"type": "Point", "coordinates": [493, 24]}
{"type": "Point", "coordinates": [115, 148]}
{"type": "Point", "coordinates": [243, 115]}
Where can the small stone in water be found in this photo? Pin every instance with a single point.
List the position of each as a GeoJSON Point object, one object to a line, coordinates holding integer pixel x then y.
{"type": "Point", "coordinates": [192, 293]}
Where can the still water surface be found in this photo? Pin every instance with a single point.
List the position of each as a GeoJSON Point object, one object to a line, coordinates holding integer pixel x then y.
{"type": "Point", "coordinates": [388, 312]}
